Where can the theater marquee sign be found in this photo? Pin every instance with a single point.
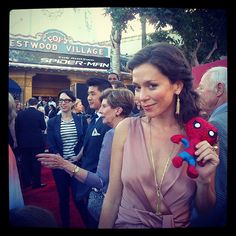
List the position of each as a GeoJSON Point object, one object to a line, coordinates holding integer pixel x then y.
{"type": "Point", "coordinates": [54, 48]}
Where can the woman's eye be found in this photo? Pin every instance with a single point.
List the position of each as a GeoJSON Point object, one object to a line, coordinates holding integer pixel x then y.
{"type": "Point", "coordinates": [152, 86]}
{"type": "Point", "coordinates": [137, 89]}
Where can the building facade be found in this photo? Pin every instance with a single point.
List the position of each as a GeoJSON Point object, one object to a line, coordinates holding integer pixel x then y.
{"type": "Point", "coordinates": [50, 61]}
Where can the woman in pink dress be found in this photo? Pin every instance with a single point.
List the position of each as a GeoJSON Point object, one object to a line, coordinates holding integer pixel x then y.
{"type": "Point", "coordinates": [145, 190]}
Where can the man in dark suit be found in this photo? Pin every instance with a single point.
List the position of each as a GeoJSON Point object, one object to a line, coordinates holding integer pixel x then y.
{"type": "Point", "coordinates": [29, 126]}
{"type": "Point", "coordinates": [92, 145]}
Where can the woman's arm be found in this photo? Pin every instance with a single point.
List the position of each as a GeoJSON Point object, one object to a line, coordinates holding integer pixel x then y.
{"type": "Point", "coordinates": [91, 179]}
{"type": "Point", "coordinates": [113, 196]}
{"type": "Point", "coordinates": [100, 179]}
{"type": "Point", "coordinates": [205, 195]}
{"type": "Point", "coordinates": [55, 161]}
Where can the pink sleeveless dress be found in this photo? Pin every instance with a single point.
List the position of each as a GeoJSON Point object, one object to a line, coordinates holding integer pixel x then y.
{"type": "Point", "coordinates": [139, 199]}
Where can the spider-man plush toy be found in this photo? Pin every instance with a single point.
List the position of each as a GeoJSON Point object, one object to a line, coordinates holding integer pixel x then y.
{"type": "Point", "coordinates": [197, 129]}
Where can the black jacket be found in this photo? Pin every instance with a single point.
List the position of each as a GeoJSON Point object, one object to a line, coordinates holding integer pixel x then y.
{"type": "Point", "coordinates": [29, 126]}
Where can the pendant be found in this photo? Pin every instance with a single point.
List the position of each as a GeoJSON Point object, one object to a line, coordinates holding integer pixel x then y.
{"type": "Point", "coordinates": [158, 202]}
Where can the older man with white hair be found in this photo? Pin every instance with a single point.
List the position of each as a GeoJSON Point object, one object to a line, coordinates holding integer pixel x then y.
{"type": "Point", "coordinates": [213, 93]}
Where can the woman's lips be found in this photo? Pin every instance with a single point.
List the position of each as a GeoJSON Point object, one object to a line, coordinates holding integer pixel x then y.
{"type": "Point", "coordinates": [147, 107]}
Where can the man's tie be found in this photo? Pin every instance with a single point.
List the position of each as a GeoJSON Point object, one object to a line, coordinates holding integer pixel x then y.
{"type": "Point", "coordinates": [91, 125]}
{"type": "Point", "coordinates": [93, 118]}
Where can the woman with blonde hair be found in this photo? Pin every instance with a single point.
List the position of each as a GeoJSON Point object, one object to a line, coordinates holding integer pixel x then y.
{"type": "Point", "coordinates": [78, 107]}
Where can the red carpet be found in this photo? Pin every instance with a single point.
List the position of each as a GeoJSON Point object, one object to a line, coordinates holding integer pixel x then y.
{"type": "Point", "coordinates": [47, 198]}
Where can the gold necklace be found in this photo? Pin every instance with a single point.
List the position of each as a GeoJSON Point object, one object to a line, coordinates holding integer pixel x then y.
{"type": "Point", "coordinates": [158, 187]}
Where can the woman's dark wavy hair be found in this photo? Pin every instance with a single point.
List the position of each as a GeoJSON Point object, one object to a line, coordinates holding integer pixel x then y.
{"type": "Point", "coordinates": [172, 63]}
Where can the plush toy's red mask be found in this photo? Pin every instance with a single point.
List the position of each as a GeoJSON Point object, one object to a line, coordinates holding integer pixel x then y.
{"type": "Point", "coordinates": [197, 129]}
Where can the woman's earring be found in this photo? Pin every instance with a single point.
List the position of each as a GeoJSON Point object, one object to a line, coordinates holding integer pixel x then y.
{"type": "Point", "coordinates": [177, 111]}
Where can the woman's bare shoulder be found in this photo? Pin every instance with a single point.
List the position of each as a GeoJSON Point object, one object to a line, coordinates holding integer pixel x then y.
{"type": "Point", "coordinates": [124, 123]}
{"type": "Point", "coordinates": [123, 127]}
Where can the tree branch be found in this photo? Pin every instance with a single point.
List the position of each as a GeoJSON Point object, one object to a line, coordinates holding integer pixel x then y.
{"type": "Point", "coordinates": [212, 51]}
{"type": "Point", "coordinates": [194, 55]}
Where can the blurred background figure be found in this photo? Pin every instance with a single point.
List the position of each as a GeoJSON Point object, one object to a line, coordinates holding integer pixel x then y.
{"type": "Point", "coordinates": [32, 217]}
{"type": "Point", "coordinates": [11, 122]}
{"type": "Point", "coordinates": [213, 93]}
{"type": "Point", "coordinates": [117, 84]}
{"type": "Point", "coordinates": [138, 110]}
{"type": "Point", "coordinates": [52, 109]}
{"type": "Point", "coordinates": [15, 193]}
{"type": "Point", "coordinates": [19, 107]}
{"type": "Point", "coordinates": [40, 101]}
{"type": "Point", "coordinates": [78, 107]}
{"type": "Point", "coordinates": [113, 77]}
{"type": "Point", "coordinates": [46, 118]}
{"type": "Point", "coordinates": [29, 128]}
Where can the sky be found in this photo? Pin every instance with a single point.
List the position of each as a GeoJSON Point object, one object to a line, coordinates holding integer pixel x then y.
{"type": "Point", "coordinates": [82, 24]}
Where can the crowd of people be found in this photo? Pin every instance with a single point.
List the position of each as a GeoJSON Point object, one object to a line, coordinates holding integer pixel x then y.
{"type": "Point", "coordinates": [118, 164]}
